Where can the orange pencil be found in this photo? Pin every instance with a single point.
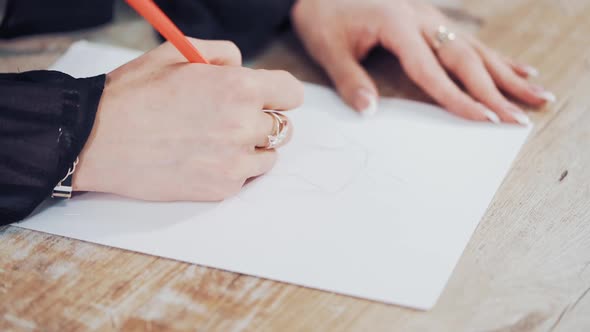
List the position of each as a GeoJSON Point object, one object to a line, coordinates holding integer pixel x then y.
{"type": "Point", "coordinates": [154, 15]}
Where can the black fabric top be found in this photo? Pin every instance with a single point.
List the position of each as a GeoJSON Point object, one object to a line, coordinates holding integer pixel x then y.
{"type": "Point", "coordinates": [248, 23]}
{"type": "Point", "coordinates": [45, 120]}
{"type": "Point", "coordinates": [46, 117]}
{"type": "Point", "coordinates": [26, 17]}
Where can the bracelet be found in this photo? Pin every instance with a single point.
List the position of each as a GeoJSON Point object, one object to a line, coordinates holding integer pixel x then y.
{"type": "Point", "coordinates": [64, 187]}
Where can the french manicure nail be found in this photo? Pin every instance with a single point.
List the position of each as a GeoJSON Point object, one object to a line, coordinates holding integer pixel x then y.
{"type": "Point", "coordinates": [519, 116]}
{"type": "Point", "coordinates": [491, 115]}
{"type": "Point", "coordinates": [530, 70]}
{"type": "Point", "coordinates": [544, 94]}
{"type": "Point", "coordinates": [548, 96]}
{"type": "Point", "coordinates": [366, 102]}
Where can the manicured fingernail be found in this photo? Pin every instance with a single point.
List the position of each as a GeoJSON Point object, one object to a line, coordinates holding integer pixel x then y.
{"type": "Point", "coordinates": [548, 96]}
{"type": "Point", "coordinates": [491, 115]}
{"type": "Point", "coordinates": [544, 94]}
{"type": "Point", "coordinates": [366, 102]}
{"type": "Point", "coordinates": [530, 70]}
{"type": "Point", "coordinates": [519, 115]}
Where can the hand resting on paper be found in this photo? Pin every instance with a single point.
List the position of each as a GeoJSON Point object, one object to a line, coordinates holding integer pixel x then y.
{"type": "Point", "coordinates": [349, 29]}
{"type": "Point", "coordinates": [169, 130]}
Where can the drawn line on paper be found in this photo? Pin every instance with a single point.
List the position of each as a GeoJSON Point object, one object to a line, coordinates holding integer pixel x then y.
{"type": "Point", "coordinates": [356, 152]}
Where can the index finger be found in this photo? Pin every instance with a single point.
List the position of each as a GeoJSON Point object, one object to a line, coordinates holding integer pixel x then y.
{"type": "Point", "coordinates": [279, 90]}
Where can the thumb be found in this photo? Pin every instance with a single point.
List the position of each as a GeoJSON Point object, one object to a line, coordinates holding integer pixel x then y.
{"type": "Point", "coordinates": [352, 82]}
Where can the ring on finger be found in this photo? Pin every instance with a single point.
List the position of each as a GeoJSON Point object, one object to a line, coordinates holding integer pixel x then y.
{"type": "Point", "coordinates": [442, 36]}
{"type": "Point", "coordinates": [280, 130]}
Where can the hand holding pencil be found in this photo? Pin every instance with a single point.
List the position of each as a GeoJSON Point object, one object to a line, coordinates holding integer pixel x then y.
{"type": "Point", "coordinates": [169, 130]}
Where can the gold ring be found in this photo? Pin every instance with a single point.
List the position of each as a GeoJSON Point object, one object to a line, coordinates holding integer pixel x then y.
{"type": "Point", "coordinates": [280, 132]}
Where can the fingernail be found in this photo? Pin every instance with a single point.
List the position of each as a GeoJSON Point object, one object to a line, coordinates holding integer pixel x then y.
{"type": "Point", "coordinates": [491, 115]}
{"type": "Point", "coordinates": [530, 70]}
{"type": "Point", "coordinates": [519, 115]}
{"type": "Point", "coordinates": [544, 94]}
{"type": "Point", "coordinates": [366, 102]}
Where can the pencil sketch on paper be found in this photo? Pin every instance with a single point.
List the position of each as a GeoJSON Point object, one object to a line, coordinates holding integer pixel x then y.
{"type": "Point", "coordinates": [327, 160]}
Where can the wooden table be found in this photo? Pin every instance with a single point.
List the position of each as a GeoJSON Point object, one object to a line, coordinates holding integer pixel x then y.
{"type": "Point", "coordinates": [527, 267]}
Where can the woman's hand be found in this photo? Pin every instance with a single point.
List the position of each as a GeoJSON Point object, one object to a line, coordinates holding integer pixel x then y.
{"type": "Point", "coordinates": [339, 33]}
{"type": "Point", "coordinates": [169, 130]}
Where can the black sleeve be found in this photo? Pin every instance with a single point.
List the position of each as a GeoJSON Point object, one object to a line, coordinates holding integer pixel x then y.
{"type": "Point", "coordinates": [248, 23]}
{"type": "Point", "coordinates": [45, 120]}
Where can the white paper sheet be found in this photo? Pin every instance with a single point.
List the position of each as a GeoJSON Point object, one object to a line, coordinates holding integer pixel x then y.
{"type": "Point", "coordinates": [379, 208]}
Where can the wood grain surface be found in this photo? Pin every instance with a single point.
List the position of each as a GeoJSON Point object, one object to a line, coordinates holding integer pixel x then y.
{"type": "Point", "coordinates": [527, 267]}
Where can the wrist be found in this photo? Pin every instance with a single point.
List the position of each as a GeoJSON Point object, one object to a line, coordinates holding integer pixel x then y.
{"type": "Point", "coordinates": [84, 179]}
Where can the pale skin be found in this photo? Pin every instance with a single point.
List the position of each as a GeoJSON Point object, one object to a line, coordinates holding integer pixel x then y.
{"type": "Point", "coordinates": [349, 29]}
{"type": "Point", "coordinates": [168, 130]}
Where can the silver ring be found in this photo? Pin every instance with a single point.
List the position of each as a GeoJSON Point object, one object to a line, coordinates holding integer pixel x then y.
{"type": "Point", "coordinates": [443, 36]}
{"type": "Point", "coordinates": [280, 132]}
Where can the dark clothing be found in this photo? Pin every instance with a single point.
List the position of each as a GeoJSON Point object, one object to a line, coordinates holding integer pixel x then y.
{"type": "Point", "coordinates": [46, 117]}
{"type": "Point", "coordinates": [248, 23]}
{"type": "Point", "coordinates": [26, 17]}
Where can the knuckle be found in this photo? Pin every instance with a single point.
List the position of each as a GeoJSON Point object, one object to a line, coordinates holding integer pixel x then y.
{"type": "Point", "coordinates": [173, 75]}
{"type": "Point", "coordinates": [521, 88]}
{"type": "Point", "coordinates": [289, 74]}
{"type": "Point", "coordinates": [425, 75]}
{"type": "Point", "coordinates": [457, 102]}
{"type": "Point", "coordinates": [239, 121]}
{"type": "Point", "coordinates": [197, 40]}
{"type": "Point", "coordinates": [280, 75]}
{"type": "Point", "coordinates": [472, 59]}
{"type": "Point", "coordinates": [420, 71]}
{"type": "Point", "coordinates": [386, 15]}
{"type": "Point", "coordinates": [417, 67]}
{"type": "Point", "coordinates": [184, 72]}
{"type": "Point", "coordinates": [464, 61]}
{"type": "Point", "coordinates": [165, 47]}
{"type": "Point", "coordinates": [464, 108]}
{"type": "Point", "coordinates": [469, 114]}
{"type": "Point", "coordinates": [407, 60]}
{"type": "Point", "coordinates": [284, 74]}
{"type": "Point", "coordinates": [233, 50]}
{"type": "Point", "coordinates": [516, 83]}
{"type": "Point", "coordinates": [298, 89]}
{"type": "Point", "coordinates": [233, 168]}
{"type": "Point", "coordinates": [241, 134]}
{"type": "Point", "coordinates": [508, 80]}
{"type": "Point", "coordinates": [243, 87]}
{"type": "Point", "coordinates": [454, 64]}
{"type": "Point", "coordinates": [290, 82]}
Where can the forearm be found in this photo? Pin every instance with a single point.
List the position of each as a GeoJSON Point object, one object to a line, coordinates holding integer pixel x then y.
{"type": "Point", "coordinates": [45, 120]}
